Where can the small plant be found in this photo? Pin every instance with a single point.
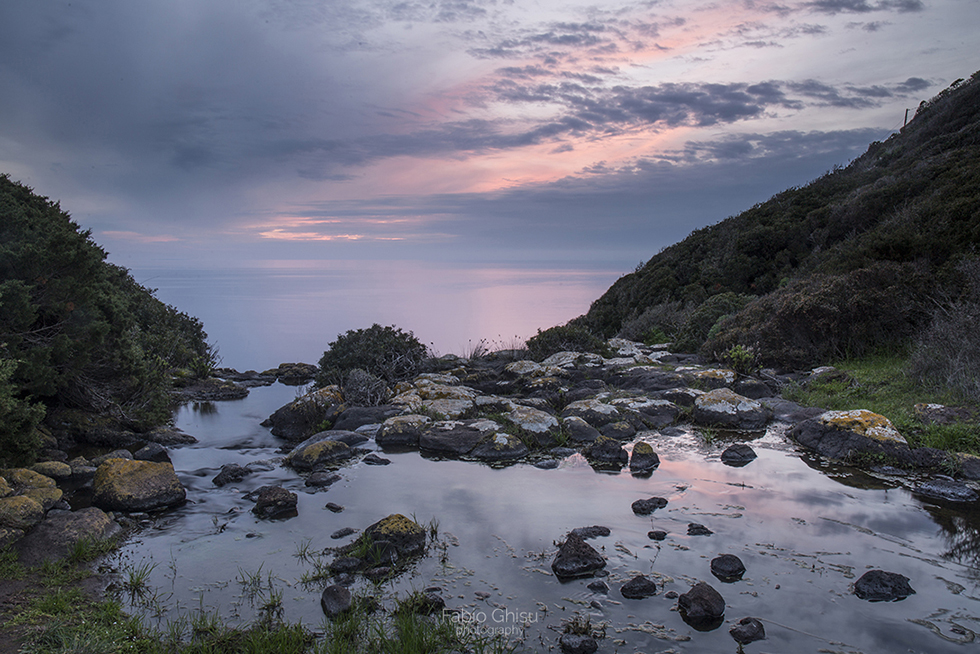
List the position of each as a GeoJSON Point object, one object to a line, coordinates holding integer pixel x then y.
{"type": "Point", "coordinates": [741, 359]}
{"type": "Point", "coordinates": [136, 582]}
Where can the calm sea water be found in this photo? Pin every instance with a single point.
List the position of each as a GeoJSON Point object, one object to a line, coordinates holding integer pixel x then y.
{"type": "Point", "coordinates": [269, 312]}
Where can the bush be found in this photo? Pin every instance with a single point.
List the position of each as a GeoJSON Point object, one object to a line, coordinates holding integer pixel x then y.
{"type": "Point", "coordinates": [361, 388]}
{"type": "Point", "coordinates": [657, 324]}
{"type": "Point", "coordinates": [19, 418]}
{"type": "Point", "coordinates": [384, 352]}
{"type": "Point", "coordinates": [947, 353]}
{"type": "Point", "coordinates": [564, 338]}
{"type": "Point", "coordinates": [824, 317]}
{"type": "Point", "coordinates": [698, 326]}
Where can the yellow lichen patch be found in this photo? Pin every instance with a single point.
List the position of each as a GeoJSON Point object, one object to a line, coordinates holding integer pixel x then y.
{"type": "Point", "coordinates": [120, 481]}
{"type": "Point", "coordinates": [20, 512]}
{"type": "Point", "coordinates": [396, 524]}
{"type": "Point", "coordinates": [46, 497]}
{"type": "Point", "coordinates": [643, 448]}
{"type": "Point", "coordinates": [21, 478]}
{"type": "Point", "coordinates": [53, 469]}
{"type": "Point", "coordinates": [865, 423]}
{"type": "Point", "coordinates": [314, 453]}
{"type": "Point", "coordinates": [5, 488]}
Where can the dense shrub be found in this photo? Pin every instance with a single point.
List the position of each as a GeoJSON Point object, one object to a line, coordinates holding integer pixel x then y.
{"type": "Point", "coordinates": [699, 322]}
{"type": "Point", "coordinates": [564, 338]}
{"type": "Point", "coordinates": [18, 421]}
{"type": "Point", "coordinates": [947, 353]}
{"type": "Point", "coordinates": [384, 352]}
{"type": "Point", "coordinates": [657, 324]}
{"type": "Point", "coordinates": [361, 388]}
{"type": "Point", "coordinates": [824, 317]}
{"type": "Point", "coordinates": [80, 331]}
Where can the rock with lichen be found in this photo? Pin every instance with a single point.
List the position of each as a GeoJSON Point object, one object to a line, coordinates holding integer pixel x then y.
{"type": "Point", "coordinates": [727, 409]}
{"type": "Point", "coordinates": [845, 435]}
{"type": "Point", "coordinates": [128, 485]}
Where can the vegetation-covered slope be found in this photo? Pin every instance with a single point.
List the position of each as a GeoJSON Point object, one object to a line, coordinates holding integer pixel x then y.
{"type": "Point", "coordinates": [77, 331]}
{"type": "Point", "coordinates": [850, 262]}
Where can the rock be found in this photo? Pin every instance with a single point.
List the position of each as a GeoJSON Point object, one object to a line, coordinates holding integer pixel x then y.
{"type": "Point", "coordinates": [343, 533]}
{"type": "Point", "coordinates": [115, 454]}
{"type": "Point", "coordinates": [882, 586]}
{"type": "Point", "coordinates": [591, 532]}
{"type": "Point", "coordinates": [598, 586]}
{"type": "Point", "coordinates": [644, 459]}
{"type": "Point", "coordinates": [211, 389]}
{"type": "Point", "coordinates": [152, 452]}
{"type": "Point", "coordinates": [296, 374]}
{"type": "Point", "coordinates": [358, 416]}
{"type": "Point", "coordinates": [725, 408]}
{"type": "Point", "coordinates": [738, 455]}
{"type": "Point", "coordinates": [946, 490]}
{"type": "Point", "coordinates": [701, 604]}
{"type": "Point", "coordinates": [593, 411]}
{"type": "Point", "coordinates": [576, 558]}
{"type": "Point", "coordinates": [56, 536]}
{"type": "Point", "coordinates": [657, 534]}
{"type": "Point", "coordinates": [335, 600]}
{"type": "Point", "coordinates": [968, 466]}
{"type": "Point", "coordinates": [938, 414]}
{"type": "Point", "coordinates": [648, 506]}
{"type": "Point", "coordinates": [333, 507]}
{"type": "Point", "coordinates": [546, 464]}
{"type": "Point", "coordinates": [748, 630]}
{"type": "Point", "coordinates": [407, 536]}
{"type": "Point", "coordinates": [578, 430]}
{"type": "Point", "coordinates": [401, 431]}
{"type": "Point", "coordinates": [345, 565]}
{"type": "Point", "coordinates": [126, 485]}
{"type": "Point", "coordinates": [274, 502]}
{"type": "Point", "coordinates": [647, 380]}
{"type": "Point", "coordinates": [844, 434]}
{"type": "Point", "coordinates": [714, 378]}
{"type": "Point", "coordinates": [53, 469]}
{"type": "Point", "coordinates": [373, 459]}
{"type": "Point", "coordinates": [639, 587]}
{"type": "Point", "coordinates": [752, 388]}
{"type": "Point", "coordinates": [168, 436]}
{"type": "Point", "coordinates": [656, 413]}
{"type": "Point", "coordinates": [727, 568]}
{"type": "Point", "coordinates": [621, 430]}
{"type": "Point", "coordinates": [607, 450]}
{"type": "Point", "coordinates": [455, 438]}
{"type": "Point", "coordinates": [322, 479]}
{"type": "Point", "coordinates": [577, 644]}
{"type": "Point", "coordinates": [694, 529]}
{"type": "Point", "coordinates": [319, 449]}
{"type": "Point", "coordinates": [500, 447]}
{"type": "Point", "coordinates": [301, 417]}
{"type": "Point", "coordinates": [46, 497]}
{"type": "Point", "coordinates": [230, 473]}
{"type": "Point", "coordinates": [533, 420]}
{"type": "Point", "coordinates": [20, 512]}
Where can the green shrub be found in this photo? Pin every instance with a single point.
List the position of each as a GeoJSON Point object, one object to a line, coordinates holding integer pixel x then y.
{"type": "Point", "coordinates": [741, 359]}
{"type": "Point", "coordinates": [564, 338]}
{"type": "Point", "coordinates": [19, 418]}
{"type": "Point", "coordinates": [695, 330]}
{"type": "Point", "coordinates": [384, 352]}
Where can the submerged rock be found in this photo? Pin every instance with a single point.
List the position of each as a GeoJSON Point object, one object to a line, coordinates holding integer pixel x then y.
{"type": "Point", "coordinates": [230, 473]}
{"type": "Point", "coordinates": [946, 490]}
{"type": "Point", "coordinates": [335, 600]}
{"type": "Point", "coordinates": [727, 568]}
{"type": "Point", "coordinates": [576, 558]}
{"type": "Point", "coordinates": [577, 644]}
{"type": "Point", "coordinates": [882, 586]}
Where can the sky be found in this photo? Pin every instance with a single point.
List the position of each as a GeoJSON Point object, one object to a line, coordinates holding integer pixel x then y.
{"type": "Point", "coordinates": [205, 132]}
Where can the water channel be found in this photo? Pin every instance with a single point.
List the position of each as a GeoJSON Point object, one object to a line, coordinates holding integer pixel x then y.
{"type": "Point", "coordinates": [804, 530]}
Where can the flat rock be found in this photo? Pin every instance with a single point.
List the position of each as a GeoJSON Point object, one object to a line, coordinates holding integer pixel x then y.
{"type": "Point", "coordinates": [882, 586]}
{"type": "Point", "coordinates": [946, 490]}
{"type": "Point", "coordinates": [725, 408]}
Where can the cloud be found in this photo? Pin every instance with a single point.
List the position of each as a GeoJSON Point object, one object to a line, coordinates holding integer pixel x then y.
{"type": "Point", "coordinates": [863, 6]}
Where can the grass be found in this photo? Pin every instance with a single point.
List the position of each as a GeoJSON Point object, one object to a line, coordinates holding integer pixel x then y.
{"type": "Point", "coordinates": [881, 384]}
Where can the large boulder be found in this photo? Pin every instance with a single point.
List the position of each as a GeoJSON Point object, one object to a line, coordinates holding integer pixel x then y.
{"type": "Point", "coordinates": [576, 558]}
{"type": "Point", "coordinates": [302, 417]}
{"type": "Point", "coordinates": [455, 437]}
{"type": "Point", "coordinates": [500, 447]}
{"type": "Point", "coordinates": [844, 435]}
{"type": "Point", "coordinates": [56, 536]}
{"type": "Point", "coordinates": [402, 431]}
{"type": "Point", "coordinates": [126, 485]}
{"type": "Point", "coordinates": [727, 409]}
{"type": "Point", "coordinates": [324, 447]}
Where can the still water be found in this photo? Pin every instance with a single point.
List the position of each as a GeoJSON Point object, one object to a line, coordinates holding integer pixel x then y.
{"type": "Point", "coordinates": [270, 312]}
{"type": "Point", "coordinates": [805, 532]}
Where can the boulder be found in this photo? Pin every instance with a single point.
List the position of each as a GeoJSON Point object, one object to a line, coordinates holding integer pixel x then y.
{"type": "Point", "coordinates": [694, 529]}
{"type": "Point", "coordinates": [126, 485]}
{"type": "Point", "coordinates": [230, 473]}
{"type": "Point", "coordinates": [168, 436]}
{"type": "Point", "coordinates": [576, 558]}
{"type": "Point", "coordinates": [701, 604]}
{"type": "Point", "coordinates": [639, 587]}
{"type": "Point", "coordinates": [335, 600]}
{"type": "Point", "coordinates": [274, 502]}
{"type": "Point", "coordinates": [405, 535]}
{"type": "Point", "coordinates": [725, 408]}
{"type": "Point", "coordinates": [843, 435]}
{"type": "Point", "coordinates": [594, 531]}
{"type": "Point", "coordinates": [152, 452]}
{"type": "Point", "coordinates": [20, 512]}
{"type": "Point", "coordinates": [593, 411]}
{"type": "Point", "coordinates": [578, 430]}
{"type": "Point", "coordinates": [301, 417]}
{"type": "Point", "coordinates": [500, 447]}
{"type": "Point", "coordinates": [882, 586]}
{"type": "Point", "coordinates": [577, 644]}
{"type": "Point", "coordinates": [607, 450]}
{"type": "Point", "coordinates": [738, 455]}
{"type": "Point", "coordinates": [57, 470]}
{"type": "Point", "coordinates": [296, 374]}
{"type": "Point", "coordinates": [373, 459]}
{"type": "Point", "coordinates": [643, 459]}
{"type": "Point", "coordinates": [358, 416]}
{"type": "Point", "coordinates": [748, 630]}
{"type": "Point", "coordinates": [401, 431]}
{"type": "Point", "coordinates": [621, 430]}
{"type": "Point", "coordinates": [533, 420]}
{"type": "Point", "coordinates": [324, 447]}
{"type": "Point", "coordinates": [656, 413]}
{"type": "Point", "coordinates": [56, 536]}
{"type": "Point", "coordinates": [455, 438]}
{"type": "Point", "coordinates": [727, 568]}
{"type": "Point", "coordinates": [648, 506]}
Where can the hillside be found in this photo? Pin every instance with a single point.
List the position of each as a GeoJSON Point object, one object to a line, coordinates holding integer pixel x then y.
{"type": "Point", "coordinates": [850, 262]}
{"type": "Point", "coordinates": [76, 331]}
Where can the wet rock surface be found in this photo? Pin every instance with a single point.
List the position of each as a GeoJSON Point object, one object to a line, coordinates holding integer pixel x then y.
{"type": "Point", "coordinates": [648, 506]}
{"type": "Point", "coordinates": [576, 558]}
{"type": "Point", "coordinates": [639, 587]}
{"type": "Point", "coordinates": [702, 604]}
{"type": "Point", "coordinates": [882, 586]}
{"type": "Point", "coordinates": [727, 568]}
{"type": "Point", "coordinates": [748, 630]}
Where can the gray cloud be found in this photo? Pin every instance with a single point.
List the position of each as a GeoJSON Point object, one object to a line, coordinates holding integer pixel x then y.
{"type": "Point", "coordinates": [863, 6]}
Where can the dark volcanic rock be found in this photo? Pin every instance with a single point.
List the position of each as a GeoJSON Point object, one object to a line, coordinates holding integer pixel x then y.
{"type": "Point", "coordinates": [648, 506]}
{"type": "Point", "coordinates": [607, 450]}
{"type": "Point", "coordinates": [694, 529]}
{"type": "Point", "coordinates": [273, 502]}
{"type": "Point", "coordinates": [639, 587]}
{"type": "Point", "coordinates": [591, 532]}
{"type": "Point", "coordinates": [643, 459]}
{"type": "Point", "coordinates": [701, 604]}
{"type": "Point", "coordinates": [844, 434]}
{"type": "Point", "coordinates": [657, 534]}
{"type": "Point", "coordinates": [748, 630]}
{"type": "Point", "coordinates": [946, 490]}
{"type": "Point", "coordinates": [335, 600]}
{"type": "Point", "coordinates": [577, 644]}
{"type": "Point", "coordinates": [230, 473]}
{"type": "Point", "coordinates": [576, 558]}
{"type": "Point", "coordinates": [727, 568]}
{"type": "Point", "coordinates": [882, 586]}
{"type": "Point", "coordinates": [358, 416]}
{"type": "Point", "coordinates": [738, 455]}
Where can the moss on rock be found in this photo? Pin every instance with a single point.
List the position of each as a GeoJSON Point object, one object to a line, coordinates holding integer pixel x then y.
{"type": "Point", "coordinates": [126, 485]}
